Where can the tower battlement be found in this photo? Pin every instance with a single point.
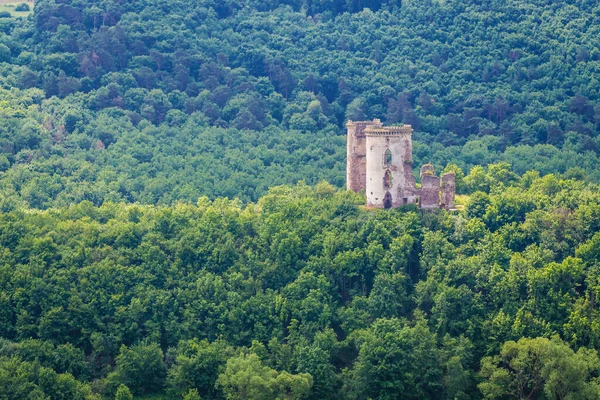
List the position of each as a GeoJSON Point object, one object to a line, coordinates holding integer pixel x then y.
{"type": "Point", "coordinates": [373, 130]}
{"type": "Point", "coordinates": [379, 161]}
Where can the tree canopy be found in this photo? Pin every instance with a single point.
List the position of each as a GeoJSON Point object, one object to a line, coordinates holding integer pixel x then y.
{"type": "Point", "coordinates": [307, 295]}
{"type": "Point", "coordinates": [159, 102]}
{"type": "Point", "coordinates": [172, 223]}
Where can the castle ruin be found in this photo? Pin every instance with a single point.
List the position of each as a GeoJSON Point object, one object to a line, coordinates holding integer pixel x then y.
{"type": "Point", "coordinates": [379, 161]}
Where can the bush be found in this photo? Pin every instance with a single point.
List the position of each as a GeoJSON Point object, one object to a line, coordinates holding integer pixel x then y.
{"type": "Point", "coordinates": [5, 14]}
{"type": "Point", "coordinates": [140, 368]}
{"type": "Point", "coordinates": [123, 393]}
{"type": "Point", "coordinates": [23, 7]}
{"type": "Point", "coordinates": [4, 52]}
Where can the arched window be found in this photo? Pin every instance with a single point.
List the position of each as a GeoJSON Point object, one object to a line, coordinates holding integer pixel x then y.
{"type": "Point", "coordinates": [387, 180]}
{"type": "Point", "coordinates": [387, 159]}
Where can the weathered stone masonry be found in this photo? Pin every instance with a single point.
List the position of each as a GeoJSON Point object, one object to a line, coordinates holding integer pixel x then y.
{"type": "Point", "coordinates": [379, 161]}
{"type": "Point", "coordinates": [356, 152]}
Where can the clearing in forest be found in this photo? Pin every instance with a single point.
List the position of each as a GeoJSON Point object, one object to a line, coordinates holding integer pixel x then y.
{"type": "Point", "coordinates": [11, 5]}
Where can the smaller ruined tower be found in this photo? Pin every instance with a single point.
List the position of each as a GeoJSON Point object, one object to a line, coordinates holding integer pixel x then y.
{"type": "Point", "coordinates": [448, 190]}
{"type": "Point", "coordinates": [430, 188]}
{"type": "Point", "coordinates": [356, 151]}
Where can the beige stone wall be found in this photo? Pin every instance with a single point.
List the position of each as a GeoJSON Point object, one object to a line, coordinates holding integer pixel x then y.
{"type": "Point", "coordinates": [401, 190]}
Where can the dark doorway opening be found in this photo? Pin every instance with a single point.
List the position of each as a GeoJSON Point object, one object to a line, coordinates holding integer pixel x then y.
{"type": "Point", "coordinates": [405, 200]}
{"type": "Point", "coordinates": [387, 200]}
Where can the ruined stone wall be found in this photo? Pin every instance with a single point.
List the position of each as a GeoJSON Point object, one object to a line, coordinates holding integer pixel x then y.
{"type": "Point", "coordinates": [430, 188]}
{"type": "Point", "coordinates": [408, 193]}
{"type": "Point", "coordinates": [427, 169]}
{"type": "Point", "coordinates": [448, 190]}
{"type": "Point", "coordinates": [356, 163]}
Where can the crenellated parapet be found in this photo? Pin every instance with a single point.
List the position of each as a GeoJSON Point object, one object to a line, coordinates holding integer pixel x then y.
{"type": "Point", "coordinates": [374, 130]}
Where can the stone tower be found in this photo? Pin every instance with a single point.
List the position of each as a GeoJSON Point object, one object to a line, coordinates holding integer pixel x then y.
{"type": "Point", "coordinates": [380, 163]}
{"type": "Point", "coordinates": [430, 188]}
{"type": "Point", "coordinates": [389, 182]}
{"type": "Point", "coordinates": [356, 152]}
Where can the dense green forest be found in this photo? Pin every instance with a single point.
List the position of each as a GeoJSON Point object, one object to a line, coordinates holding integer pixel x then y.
{"type": "Point", "coordinates": [165, 101]}
{"type": "Point", "coordinates": [306, 295]}
{"type": "Point", "coordinates": [173, 224]}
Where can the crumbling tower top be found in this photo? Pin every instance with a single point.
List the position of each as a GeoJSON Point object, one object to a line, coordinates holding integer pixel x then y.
{"type": "Point", "coordinates": [361, 125]}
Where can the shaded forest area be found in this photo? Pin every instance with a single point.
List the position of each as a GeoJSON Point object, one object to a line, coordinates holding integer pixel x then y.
{"type": "Point", "coordinates": [162, 101]}
{"type": "Point", "coordinates": [310, 295]}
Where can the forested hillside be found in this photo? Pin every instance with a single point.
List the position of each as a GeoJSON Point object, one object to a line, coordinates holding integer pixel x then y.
{"type": "Point", "coordinates": [173, 222]}
{"type": "Point", "coordinates": [162, 101]}
{"type": "Point", "coordinates": [309, 294]}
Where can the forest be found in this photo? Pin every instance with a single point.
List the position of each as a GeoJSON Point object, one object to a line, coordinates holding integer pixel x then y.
{"type": "Point", "coordinates": [166, 101]}
{"type": "Point", "coordinates": [174, 224]}
{"type": "Point", "coordinates": [307, 295]}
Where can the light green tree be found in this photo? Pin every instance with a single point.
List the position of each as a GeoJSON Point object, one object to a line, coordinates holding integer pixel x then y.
{"type": "Point", "coordinates": [246, 378]}
{"type": "Point", "coordinates": [540, 368]}
{"type": "Point", "coordinates": [123, 393]}
{"type": "Point", "coordinates": [192, 394]}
